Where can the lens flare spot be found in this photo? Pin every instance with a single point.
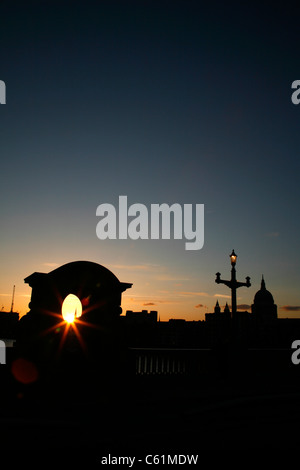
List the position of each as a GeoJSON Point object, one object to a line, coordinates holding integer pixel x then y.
{"type": "Point", "coordinates": [24, 371]}
{"type": "Point", "coordinates": [71, 308]}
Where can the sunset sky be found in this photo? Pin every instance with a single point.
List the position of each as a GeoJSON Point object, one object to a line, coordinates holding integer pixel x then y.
{"type": "Point", "coordinates": [165, 102]}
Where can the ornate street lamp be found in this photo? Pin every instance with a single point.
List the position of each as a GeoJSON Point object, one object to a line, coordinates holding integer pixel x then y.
{"type": "Point", "coordinates": [233, 284]}
{"type": "Point", "coordinates": [233, 258]}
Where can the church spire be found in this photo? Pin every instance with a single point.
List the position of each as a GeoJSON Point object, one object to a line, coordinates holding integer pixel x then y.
{"type": "Point", "coordinates": [226, 309]}
{"type": "Point", "coordinates": [217, 307]}
{"type": "Point", "coordinates": [263, 284]}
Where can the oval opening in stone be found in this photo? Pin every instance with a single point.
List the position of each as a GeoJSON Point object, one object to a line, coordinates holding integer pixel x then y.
{"type": "Point", "coordinates": [71, 308]}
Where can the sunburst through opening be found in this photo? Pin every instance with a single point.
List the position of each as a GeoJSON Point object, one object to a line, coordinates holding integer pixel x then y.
{"type": "Point", "coordinates": [71, 308]}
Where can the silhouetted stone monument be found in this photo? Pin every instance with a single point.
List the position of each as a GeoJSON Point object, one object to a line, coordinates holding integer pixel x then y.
{"type": "Point", "coordinates": [93, 340]}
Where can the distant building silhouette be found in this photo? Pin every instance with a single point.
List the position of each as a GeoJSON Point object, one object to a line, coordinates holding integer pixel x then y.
{"type": "Point", "coordinates": [218, 325]}
{"type": "Point", "coordinates": [217, 314]}
{"type": "Point", "coordinates": [263, 307]}
{"type": "Point", "coordinates": [8, 325]}
{"type": "Point", "coordinates": [142, 317]}
{"type": "Point", "coordinates": [259, 327]}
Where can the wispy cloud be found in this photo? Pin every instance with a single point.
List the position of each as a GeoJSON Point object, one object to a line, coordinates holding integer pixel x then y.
{"type": "Point", "coordinates": [290, 308]}
{"type": "Point", "coordinates": [187, 293]}
{"type": "Point", "coordinates": [141, 300]}
{"type": "Point", "coordinates": [243, 306]}
{"type": "Point", "coordinates": [272, 234]}
{"type": "Point", "coordinates": [200, 306]}
{"type": "Point", "coordinates": [50, 265]}
{"type": "Point", "coordinates": [223, 296]}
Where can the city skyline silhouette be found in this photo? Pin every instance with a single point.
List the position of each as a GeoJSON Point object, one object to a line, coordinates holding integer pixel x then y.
{"type": "Point", "coordinates": [284, 311]}
{"type": "Point", "coordinates": [98, 299]}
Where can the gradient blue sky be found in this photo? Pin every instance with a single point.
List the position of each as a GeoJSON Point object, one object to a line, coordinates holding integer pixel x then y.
{"type": "Point", "coordinates": [162, 101]}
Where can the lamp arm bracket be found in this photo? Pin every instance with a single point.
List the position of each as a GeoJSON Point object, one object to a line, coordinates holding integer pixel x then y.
{"type": "Point", "coordinates": [220, 281]}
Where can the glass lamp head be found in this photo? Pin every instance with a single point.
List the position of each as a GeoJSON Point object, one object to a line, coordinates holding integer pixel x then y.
{"type": "Point", "coordinates": [233, 258]}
